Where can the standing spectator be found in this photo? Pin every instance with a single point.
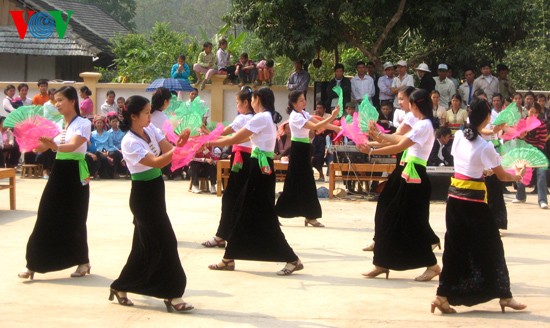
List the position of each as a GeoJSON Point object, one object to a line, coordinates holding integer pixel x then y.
{"type": "Point", "coordinates": [450, 76]}
{"type": "Point", "coordinates": [299, 79]}
{"type": "Point", "coordinates": [9, 154]}
{"type": "Point", "coordinates": [109, 105]}
{"type": "Point", "coordinates": [205, 65]}
{"type": "Point", "coordinates": [487, 82]}
{"type": "Point", "coordinates": [120, 103]}
{"type": "Point", "coordinates": [245, 70]}
{"type": "Point", "coordinates": [86, 105]}
{"type": "Point", "coordinates": [371, 71]}
{"type": "Point", "coordinates": [362, 84]}
{"type": "Point", "coordinates": [402, 79]}
{"type": "Point", "coordinates": [426, 81]}
{"type": "Point", "coordinates": [265, 72]}
{"type": "Point", "coordinates": [42, 97]}
{"type": "Point", "coordinates": [445, 86]}
{"type": "Point", "coordinates": [342, 81]}
{"type": "Point", "coordinates": [439, 112]}
{"type": "Point", "coordinates": [497, 106]}
{"type": "Point", "coordinates": [456, 117]}
{"type": "Point", "coordinates": [529, 100]}
{"type": "Point", "coordinates": [385, 83]}
{"type": "Point", "coordinates": [466, 89]}
{"type": "Point", "coordinates": [505, 88]}
{"type": "Point", "coordinates": [224, 61]}
{"type": "Point", "coordinates": [518, 99]}
{"type": "Point", "coordinates": [49, 108]}
{"type": "Point", "coordinates": [23, 90]}
{"type": "Point", "coordinates": [180, 70]}
{"type": "Point", "coordinates": [9, 104]}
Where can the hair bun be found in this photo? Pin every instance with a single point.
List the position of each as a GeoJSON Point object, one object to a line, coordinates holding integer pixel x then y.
{"type": "Point", "coordinates": [469, 133]}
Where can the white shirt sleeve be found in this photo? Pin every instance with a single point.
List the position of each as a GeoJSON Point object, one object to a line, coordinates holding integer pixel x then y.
{"type": "Point", "coordinates": [419, 134]}
{"type": "Point", "coordinates": [134, 152]}
{"type": "Point", "coordinates": [489, 157]}
{"type": "Point", "coordinates": [256, 124]}
{"type": "Point", "coordinates": [83, 128]}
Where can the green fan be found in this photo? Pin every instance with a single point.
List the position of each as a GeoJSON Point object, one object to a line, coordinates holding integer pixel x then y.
{"type": "Point", "coordinates": [192, 121]}
{"type": "Point", "coordinates": [518, 153]}
{"type": "Point", "coordinates": [367, 112]}
{"type": "Point", "coordinates": [22, 113]}
{"type": "Point", "coordinates": [338, 90]}
{"type": "Point", "coordinates": [212, 125]}
{"type": "Point", "coordinates": [175, 103]}
{"type": "Point", "coordinates": [510, 115]}
{"type": "Point", "coordinates": [52, 115]}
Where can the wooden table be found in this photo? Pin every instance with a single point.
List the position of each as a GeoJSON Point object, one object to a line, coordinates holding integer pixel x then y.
{"type": "Point", "coordinates": [5, 174]}
{"type": "Point", "coordinates": [223, 170]}
{"type": "Point", "coordinates": [351, 169]}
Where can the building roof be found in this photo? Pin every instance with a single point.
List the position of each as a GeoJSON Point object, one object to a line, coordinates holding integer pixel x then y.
{"type": "Point", "coordinates": [88, 34]}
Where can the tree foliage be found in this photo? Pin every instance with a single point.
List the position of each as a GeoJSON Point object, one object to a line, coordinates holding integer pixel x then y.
{"type": "Point", "coordinates": [122, 10]}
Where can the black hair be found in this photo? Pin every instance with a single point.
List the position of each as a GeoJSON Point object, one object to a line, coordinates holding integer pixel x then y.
{"type": "Point", "coordinates": [386, 103]}
{"type": "Point", "coordinates": [42, 81]}
{"type": "Point", "coordinates": [478, 92]}
{"type": "Point", "coordinates": [407, 90]}
{"type": "Point", "coordinates": [370, 63]}
{"type": "Point", "coordinates": [435, 92]}
{"type": "Point", "coordinates": [337, 66]}
{"type": "Point", "coordinates": [360, 63]}
{"type": "Point", "coordinates": [134, 105]}
{"type": "Point", "coordinates": [159, 97]}
{"type": "Point", "coordinates": [70, 93]}
{"type": "Point", "coordinates": [421, 98]}
{"type": "Point", "coordinates": [457, 96]}
{"type": "Point", "coordinates": [244, 55]}
{"type": "Point", "coordinates": [541, 96]}
{"type": "Point", "coordinates": [86, 90]}
{"type": "Point", "coordinates": [111, 92]}
{"type": "Point", "coordinates": [517, 94]}
{"type": "Point", "coordinates": [529, 93]}
{"type": "Point", "coordinates": [21, 86]}
{"type": "Point", "coordinates": [2, 118]}
{"type": "Point", "coordinates": [267, 100]}
{"type": "Point", "coordinates": [443, 131]}
{"type": "Point", "coordinates": [121, 98]}
{"type": "Point", "coordinates": [480, 109]}
{"type": "Point", "coordinates": [293, 97]}
{"type": "Point", "coordinates": [222, 42]}
{"type": "Point", "coordinates": [485, 64]}
{"type": "Point", "coordinates": [207, 44]}
{"type": "Point", "coordinates": [469, 69]}
{"type": "Point", "coordinates": [8, 87]}
{"type": "Point", "coordinates": [269, 63]}
{"type": "Point", "coordinates": [538, 108]}
{"type": "Point", "coordinates": [497, 95]}
{"type": "Point", "coordinates": [246, 94]}
{"type": "Point", "coordinates": [51, 91]}
{"type": "Point", "coordinates": [182, 57]}
{"type": "Point", "coordinates": [502, 67]}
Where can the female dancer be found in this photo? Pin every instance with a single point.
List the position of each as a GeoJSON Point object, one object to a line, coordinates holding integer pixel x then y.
{"type": "Point", "coordinates": [474, 268]}
{"type": "Point", "coordinates": [153, 267]}
{"type": "Point", "coordinates": [159, 102]}
{"type": "Point", "coordinates": [256, 234]}
{"type": "Point", "coordinates": [59, 239]}
{"type": "Point", "coordinates": [299, 196]}
{"type": "Point", "coordinates": [239, 162]}
{"type": "Point", "coordinates": [402, 230]}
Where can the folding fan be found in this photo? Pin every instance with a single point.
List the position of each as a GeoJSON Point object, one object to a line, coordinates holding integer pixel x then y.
{"type": "Point", "coordinates": [518, 153]}
{"type": "Point", "coordinates": [367, 112]}
{"type": "Point", "coordinates": [338, 90]}
{"type": "Point", "coordinates": [510, 115]}
{"type": "Point", "coordinates": [184, 154]}
{"type": "Point", "coordinates": [21, 114]}
{"type": "Point", "coordinates": [528, 124]}
{"type": "Point", "coordinates": [30, 130]}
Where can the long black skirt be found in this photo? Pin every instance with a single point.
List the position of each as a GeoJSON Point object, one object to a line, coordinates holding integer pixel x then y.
{"type": "Point", "coordinates": [495, 199]}
{"type": "Point", "coordinates": [257, 235]}
{"type": "Point", "coordinates": [235, 184]}
{"type": "Point", "coordinates": [474, 268]}
{"type": "Point", "coordinates": [59, 239]}
{"type": "Point", "coordinates": [403, 236]}
{"type": "Point", "coordinates": [299, 196]}
{"type": "Point", "coordinates": [153, 267]}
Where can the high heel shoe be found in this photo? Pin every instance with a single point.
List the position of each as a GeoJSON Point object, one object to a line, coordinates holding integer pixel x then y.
{"type": "Point", "coordinates": [26, 274]}
{"type": "Point", "coordinates": [369, 248]}
{"type": "Point", "coordinates": [429, 274]}
{"type": "Point", "coordinates": [214, 243]}
{"type": "Point", "coordinates": [227, 265]}
{"type": "Point", "coordinates": [121, 300]}
{"type": "Point", "coordinates": [313, 223]}
{"type": "Point", "coordinates": [376, 272]}
{"type": "Point", "coordinates": [442, 305]}
{"type": "Point", "coordinates": [180, 307]}
{"type": "Point", "coordinates": [511, 303]}
{"type": "Point", "coordinates": [434, 246]}
{"type": "Point", "coordinates": [290, 267]}
{"type": "Point", "coordinates": [81, 270]}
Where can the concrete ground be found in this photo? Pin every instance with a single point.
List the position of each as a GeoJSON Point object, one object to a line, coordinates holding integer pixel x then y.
{"type": "Point", "coordinates": [329, 292]}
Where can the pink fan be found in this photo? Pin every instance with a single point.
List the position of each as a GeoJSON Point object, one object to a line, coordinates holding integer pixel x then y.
{"type": "Point", "coordinates": [381, 128]}
{"type": "Point", "coordinates": [184, 154]}
{"type": "Point", "coordinates": [168, 130]}
{"type": "Point", "coordinates": [352, 131]}
{"type": "Point", "coordinates": [28, 131]}
{"type": "Point", "coordinates": [527, 175]}
{"type": "Point", "coordinates": [525, 125]}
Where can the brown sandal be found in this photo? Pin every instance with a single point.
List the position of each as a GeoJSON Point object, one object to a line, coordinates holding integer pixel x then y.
{"type": "Point", "coordinates": [180, 307]}
{"type": "Point", "coordinates": [224, 265]}
{"type": "Point", "coordinates": [121, 300]}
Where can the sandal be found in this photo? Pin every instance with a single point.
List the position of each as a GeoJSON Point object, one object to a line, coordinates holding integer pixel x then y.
{"type": "Point", "coordinates": [121, 300]}
{"type": "Point", "coordinates": [313, 223]}
{"type": "Point", "coordinates": [224, 265]}
{"type": "Point", "coordinates": [214, 242]}
{"type": "Point", "coordinates": [290, 267]}
{"type": "Point", "coordinates": [429, 274]}
{"type": "Point", "coordinates": [442, 304]}
{"type": "Point", "coordinates": [180, 307]}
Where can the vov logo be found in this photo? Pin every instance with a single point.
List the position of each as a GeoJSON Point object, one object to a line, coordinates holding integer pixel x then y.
{"type": "Point", "coordinates": [41, 25]}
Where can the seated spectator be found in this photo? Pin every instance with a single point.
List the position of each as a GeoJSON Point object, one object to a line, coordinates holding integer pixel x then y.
{"type": "Point", "coordinates": [86, 105]}
{"type": "Point", "coordinates": [92, 159]}
{"type": "Point", "coordinates": [116, 136]}
{"type": "Point", "coordinates": [9, 104]}
{"type": "Point", "coordinates": [23, 90]}
{"type": "Point", "coordinates": [246, 70]}
{"type": "Point", "coordinates": [456, 117]}
{"type": "Point", "coordinates": [441, 153]}
{"type": "Point", "coordinates": [120, 103]}
{"type": "Point", "coordinates": [9, 154]}
{"type": "Point", "coordinates": [204, 165]}
{"type": "Point", "coordinates": [224, 62]}
{"type": "Point", "coordinates": [265, 72]}
{"type": "Point", "coordinates": [180, 70]}
{"type": "Point", "coordinates": [439, 111]}
{"type": "Point", "coordinates": [385, 119]}
{"type": "Point", "coordinates": [109, 105]}
{"type": "Point", "coordinates": [205, 65]}
{"type": "Point", "coordinates": [319, 145]}
{"type": "Point", "coordinates": [41, 98]}
{"type": "Point", "coordinates": [105, 150]}
{"type": "Point", "coordinates": [282, 146]}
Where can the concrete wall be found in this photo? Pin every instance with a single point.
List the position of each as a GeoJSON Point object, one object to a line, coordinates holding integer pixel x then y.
{"type": "Point", "coordinates": [13, 67]}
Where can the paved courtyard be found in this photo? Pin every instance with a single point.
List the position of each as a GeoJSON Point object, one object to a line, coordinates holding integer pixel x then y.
{"type": "Point", "coordinates": [329, 292]}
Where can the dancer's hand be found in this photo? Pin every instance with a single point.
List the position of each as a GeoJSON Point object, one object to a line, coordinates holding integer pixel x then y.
{"type": "Point", "coordinates": [335, 112]}
{"type": "Point", "coordinates": [364, 148]}
{"type": "Point", "coordinates": [184, 136]}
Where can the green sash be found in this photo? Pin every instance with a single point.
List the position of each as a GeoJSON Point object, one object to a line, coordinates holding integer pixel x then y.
{"type": "Point", "coordinates": [147, 175]}
{"type": "Point", "coordinates": [409, 172]}
{"type": "Point", "coordinates": [82, 166]}
{"type": "Point", "coordinates": [262, 159]}
{"type": "Point", "coordinates": [304, 140]}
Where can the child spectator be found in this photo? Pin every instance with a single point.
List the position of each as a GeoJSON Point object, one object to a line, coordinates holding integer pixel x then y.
{"type": "Point", "coordinates": [109, 105]}
{"type": "Point", "coordinates": [120, 102]}
{"type": "Point", "coordinates": [49, 108]}
{"type": "Point", "coordinates": [245, 70]}
{"type": "Point", "coordinates": [385, 119]}
{"type": "Point", "coordinates": [9, 150]}
{"type": "Point", "coordinates": [42, 97]}
{"type": "Point", "coordinates": [205, 65]}
{"type": "Point", "coordinates": [265, 72]}
{"type": "Point", "coordinates": [180, 70]}
{"type": "Point", "coordinates": [86, 105]}
{"type": "Point", "coordinates": [9, 104]}
{"type": "Point", "coordinates": [224, 62]}
{"type": "Point", "coordinates": [23, 90]}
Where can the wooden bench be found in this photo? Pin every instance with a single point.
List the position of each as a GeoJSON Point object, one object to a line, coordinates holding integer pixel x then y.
{"type": "Point", "coordinates": [223, 170]}
{"type": "Point", "coordinates": [31, 170]}
{"type": "Point", "coordinates": [5, 174]}
{"type": "Point", "coordinates": [347, 171]}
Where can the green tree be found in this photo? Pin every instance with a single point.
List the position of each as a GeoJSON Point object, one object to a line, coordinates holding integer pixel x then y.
{"type": "Point", "coordinates": [122, 10]}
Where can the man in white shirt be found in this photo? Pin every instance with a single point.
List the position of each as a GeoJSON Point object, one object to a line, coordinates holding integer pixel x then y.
{"type": "Point", "coordinates": [403, 79]}
{"type": "Point", "coordinates": [445, 86]}
{"type": "Point", "coordinates": [486, 81]}
{"type": "Point", "coordinates": [385, 82]}
{"type": "Point", "coordinates": [362, 84]}
{"type": "Point", "coordinates": [110, 104]}
{"type": "Point", "coordinates": [466, 89]}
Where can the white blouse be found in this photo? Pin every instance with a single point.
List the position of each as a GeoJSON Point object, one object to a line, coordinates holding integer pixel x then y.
{"type": "Point", "coordinates": [240, 122]}
{"type": "Point", "coordinates": [158, 118]}
{"type": "Point", "coordinates": [410, 119]}
{"type": "Point", "coordinates": [134, 148]}
{"type": "Point", "coordinates": [471, 157]}
{"type": "Point", "coordinates": [264, 131]}
{"type": "Point", "coordinates": [422, 134]}
{"type": "Point", "coordinates": [80, 126]}
{"type": "Point", "coordinates": [296, 122]}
